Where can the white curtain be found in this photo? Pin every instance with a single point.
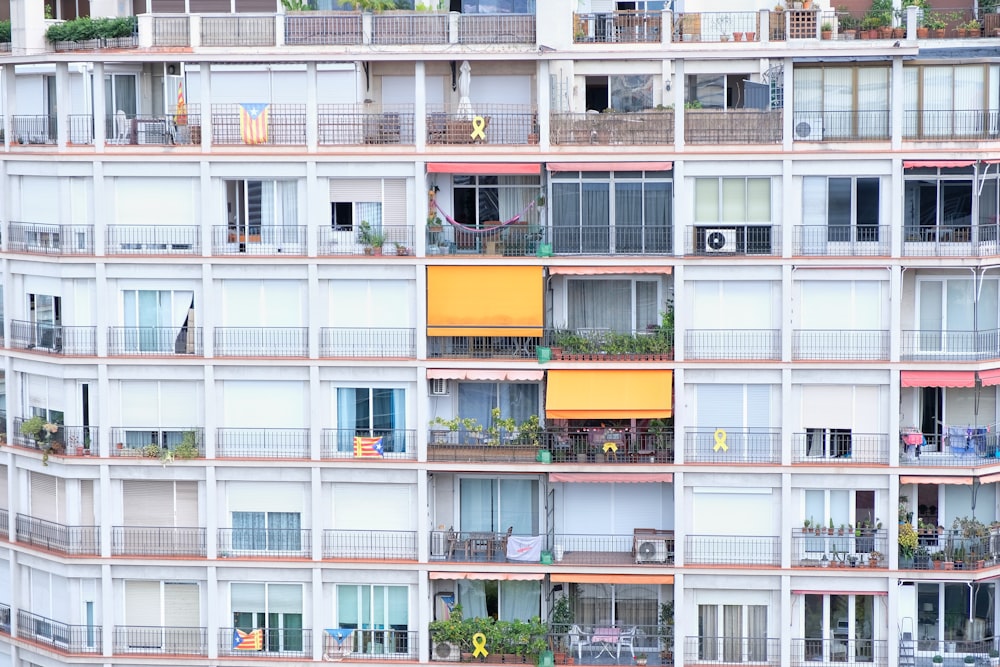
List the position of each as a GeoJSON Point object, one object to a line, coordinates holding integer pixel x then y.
{"type": "Point", "coordinates": [518, 193]}
{"type": "Point", "coordinates": [472, 597]}
{"type": "Point", "coordinates": [600, 304]}
{"type": "Point", "coordinates": [518, 506]}
{"type": "Point", "coordinates": [519, 600]}
{"type": "Point", "coordinates": [708, 631]}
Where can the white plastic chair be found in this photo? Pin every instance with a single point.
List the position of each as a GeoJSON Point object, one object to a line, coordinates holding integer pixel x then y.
{"type": "Point", "coordinates": [121, 127]}
{"type": "Point", "coordinates": [627, 639]}
{"type": "Point", "coordinates": [578, 639]}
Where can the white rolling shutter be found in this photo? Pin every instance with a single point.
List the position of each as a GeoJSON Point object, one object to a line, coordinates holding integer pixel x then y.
{"type": "Point", "coordinates": [827, 406]}
{"type": "Point", "coordinates": [264, 404]}
{"type": "Point", "coordinates": [356, 189]}
{"type": "Point", "coordinates": [181, 605]}
{"type": "Point", "coordinates": [372, 506]}
{"type": "Point", "coordinates": [186, 514]}
{"type": "Point", "coordinates": [3, 489]}
{"type": "Point", "coordinates": [148, 503]}
{"type": "Point", "coordinates": [733, 512]}
{"type": "Point", "coordinates": [758, 406]}
{"type": "Point", "coordinates": [636, 506]}
{"type": "Point", "coordinates": [394, 209]}
{"type": "Point", "coordinates": [87, 517]}
{"type": "Point", "coordinates": [41, 595]}
{"type": "Point", "coordinates": [154, 201]}
{"type": "Point", "coordinates": [720, 406]}
{"type": "Point", "coordinates": [47, 496]}
{"type": "Point", "coordinates": [139, 400]}
{"type": "Point", "coordinates": [142, 603]}
{"type": "Point", "coordinates": [241, 303]}
{"type": "Point", "coordinates": [39, 199]}
{"type": "Point", "coordinates": [180, 404]}
{"type": "Point", "coordinates": [5, 588]}
{"type": "Point", "coordinates": [270, 497]}
{"type": "Point", "coordinates": [588, 509]}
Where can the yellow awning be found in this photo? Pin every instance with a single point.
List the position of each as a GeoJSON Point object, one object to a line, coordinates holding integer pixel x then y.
{"type": "Point", "coordinates": [609, 394]}
{"type": "Point", "coordinates": [612, 578]}
{"type": "Point", "coordinates": [484, 300]}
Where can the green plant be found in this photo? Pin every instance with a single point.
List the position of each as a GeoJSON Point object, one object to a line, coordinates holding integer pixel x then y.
{"type": "Point", "coordinates": [826, 27]}
{"type": "Point", "coordinates": [693, 104]}
{"type": "Point", "coordinates": [296, 5]}
{"type": "Point", "coordinates": [188, 447]}
{"type": "Point", "coordinates": [33, 428]}
{"type": "Point", "coordinates": [969, 660]}
{"type": "Point", "coordinates": [561, 617]}
{"type": "Point", "coordinates": [4, 31]}
{"type": "Point", "coordinates": [933, 21]}
{"type": "Point", "coordinates": [937, 659]}
{"type": "Point", "coordinates": [846, 20]}
{"type": "Point", "coordinates": [908, 541]}
{"type": "Point", "coordinates": [665, 620]}
{"type": "Point", "coordinates": [455, 423]}
{"type": "Point", "coordinates": [970, 527]}
{"type": "Point", "coordinates": [371, 5]}
{"type": "Point", "coordinates": [994, 653]}
{"type": "Point", "coordinates": [529, 431]}
{"type": "Point", "coordinates": [151, 451]}
{"type": "Point", "coordinates": [972, 25]}
{"type": "Point", "coordinates": [499, 427]}
{"type": "Point", "coordinates": [370, 237]}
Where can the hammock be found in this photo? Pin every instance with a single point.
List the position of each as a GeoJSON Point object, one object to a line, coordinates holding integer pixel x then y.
{"type": "Point", "coordinates": [484, 230]}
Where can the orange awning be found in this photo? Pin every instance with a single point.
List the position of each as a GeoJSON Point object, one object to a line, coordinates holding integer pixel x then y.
{"type": "Point", "coordinates": [488, 576]}
{"type": "Point", "coordinates": [484, 300]}
{"type": "Point", "coordinates": [561, 578]}
{"type": "Point", "coordinates": [921, 479]}
{"type": "Point", "coordinates": [989, 479]}
{"type": "Point", "coordinates": [611, 477]}
{"type": "Point", "coordinates": [937, 379]}
{"type": "Point", "coordinates": [610, 166]}
{"type": "Point", "coordinates": [609, 394]}
{"type": "Point", "coordinates": [483, 168]}
{"type": "Point", "coordinates": [944, 164]}
{"type": "Point", "coordinates": [488, 376]}
{"type": "Point", "coordinates": [606, 270]}
{"type": "Point", "coordinates": [990, 378]}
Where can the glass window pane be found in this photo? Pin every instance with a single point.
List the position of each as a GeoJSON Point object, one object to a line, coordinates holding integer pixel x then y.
{"type": "Point", "coordinates": [347, 606]}
{"type": "Point", "coordinates": [706, 200]}
{"type": "Point", "coordinates": [734, 200]}
{"type": "Point", "coordinates": [839, 208]}
{"type": "Point", "coordinates": [758, 200]}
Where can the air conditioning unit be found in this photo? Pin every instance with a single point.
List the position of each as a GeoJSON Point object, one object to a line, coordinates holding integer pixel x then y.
{"type": "Point", "coordinates": [439, 545]}
{"type": "Point", "coordinates": [720, 240]}
{"type": "Point", "coordinates": [152, 132]}
{"type": "Point", "coordinates": [808, 127]}
{"type": "Point", "coordinates": [652, 551]}
{"type": "Point", "coordinates": [439, 387]}
{"type": "Point", "coordinates": [445, 652]}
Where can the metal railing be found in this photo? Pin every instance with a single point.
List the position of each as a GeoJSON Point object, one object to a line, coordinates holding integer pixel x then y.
{"type": "Point", "coordinates": [509, 124]}
{"type": "Point", "coordinates": [237, 30]}
{"type": "Point", "coordinates": [514, 240]}
{"type": "Point", "coordinates": [652, 344]}
{"type": "Point", "coordinates": [482, 347]}
{"type": "Point", "coordinates": [840, 448]}
{"type": "Point", "coordinates": [158, 541]}
{"type": "Point", "coordinates": [5, 618]}
{"type": "Point", "coordinates": [365, 124]}
{"type": "Point", "coordinates": [50, 239]}
{"type": "Point", "coordinates": [171, 30]}
{"type": "Point", "coordinates": [314, 28]}
{"type": "Point", "coordinates": [944, 240]}
{"type": "Point", "coordinates": [860, 345]}
{"type": "Point", "coordinates": [69, 540]}
{"type": "Point", "coordinates": [259, 240]}
{"type": "Point", "coordinates": [953, 550]}
{"type": "Point", "coordinates": [960, 447]}
{"type": "Point", "coordinates": [370, 544]}
{"type": "Point", "coordinates": [732, 550]}
{"type": "Point", "coordinates": [652, 127]}
{"type": "Point", "coordinates": [842, 241]}
{"type": "Point", "coordinates": [732, 445]}
{"type": "Point", "coordinates": [732, 650]}
{"type": "Point", "coordinates": [469, 546]}
{"type": "Point", "coordinates": [737, 239]}
{"type": "Point", "coordinates": [263, 443]}
{"type": "Point", "coordinates": [620, 27]}
{"type": "Point", "coordinates": [33, 129]}
{"type": "Point", "coordinates": [284, 125]}
{"type": "Point", "coordinates": [397, 241]}
{"type": "Point", "coordinates": [840, 125]}
{"type": "Point", "coordinates": [410, 28]}
{"type": "Point", "coordinates": [155, 341]}
{"type": "Point", "coordinates": [53, 338]}
{"type": "Point", "coordinates": [164, 640]}
{"type": "Point", "coordinates": [654, 549]}
{"type": "Point", "coordinates": [377, 646]}
{"type": "Point", "coordinates": [496, 29]}
{"type": "Point", "coordinates": [930, 345]}
{"type": "Point", "coordinates": [647, 639]}
{"type": "Point", "coordinates": [81, 129]}
{"type": "Point", "coordinates": [831, 652]}
{"type": "Point", "coordinates": [5, 524]}
{"type": "Point", "coordinates": [747, 344]}
{"type": "Point", "coordinates": [57, 439]}
{"type": "Point", "coordinates": [732, 126]}
{"type": "Point", "coordinates": [395, 444]}
{"type": "Point", "coordinates": [716, 26]}
{"type": "Point", "coordinates": [954, 125]}
{"type": "Point", "coordinates": [270, 542]}
{"type": "Point", "coordinates": [153, 240]}
{"type": "Point", "coordinates": [840, 548]}
{"type": "Point", "coordinates": [123, 129]}
{"type": "Point", "coordinates": [367, 342]}
{"type": "Point", "coordinates": [274, 642]}
{"type": "Point", "coordinates": [261, 341]}
{"type": "Point", "coordinates": [149, 441]}
{"type": "Point", "coordinates": [637, 239]}
{"type": "Point", "coordinates": [58, 636]}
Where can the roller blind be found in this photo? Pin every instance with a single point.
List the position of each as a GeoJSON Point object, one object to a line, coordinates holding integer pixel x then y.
{"type": "Point", "coordinates": [284, 598]}
{"type": "Point", "coordinates": [41, 595]}
{"type": "Point", "coordinates": [264, 404]}
{"type": "Point", "coordinates": [394, 208]}
{"type": "Point", "coordinates": [87, 503]}
{"type": "Point", "coordinates": [142, 603]}
{"type": "Point", "coordinates": [139, 400]}
{"type": "Point", "coordinates": [181, 605]}
{"type": "Point", "coordinates": [186, 514]}
{"type": "Point", "coordinates": [356, 190]}
{"type": "Point", "coordinates": [371, 303]}
{"type": "Point", "coordinates": [733, 513]}
{"type": "Point", "coordinates": [720, 406]}
{"type": "Point", "coordinates": [636, 506]}
{"type": "Point", "coordinates": [372, 506]}
{"type": "Point", "coordinates": [274, 497]}
{"type": "Point", "coordinates": [587, 509]}
{"type": "Point", "coordinates": [148, 503]}
{"type": "Point", "coordinates": [247, 597]}
{"type": "Point", "coordinates": [154, 201]}
{"type": "Point", "coordinates": [47, 495]}
{"type": "Point", "coordinates": [180, 404]}
{"type": "Point", "coordinates": [3, 489]}
{"type": "Point", "coordinates": [827, 406]}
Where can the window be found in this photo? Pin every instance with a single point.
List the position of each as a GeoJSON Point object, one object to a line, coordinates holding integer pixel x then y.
{"type": "Point", "coordinates": [622, 93]}
{"type": "Point", "coordinates": [120, 94]}
{"type": "Point", "coordinates": [486, 201]}
{"type": "Point", "coordinates": [274, 608]}
{"type": "Point", "coordinates": [613, 305]}
{"type": "Point", "coordinates": [717, 91]}
{"type": "Point", "coordinates": [45, 315]}
{"type": "Point", "coordinates": [828, 442]}
{"type": "Point", "coordinates": [267, 531]}
{"type": "Point", "coordinates": [344, 215]}
{"type": "Point", "coordinates": [841, 103]}
{"type": "Point", "coordinates": [937, 204]}
{"type": "Point", "coordinates": [371, 412]}
{"type": "Point", "coordinates": [620, 212]}
{"type": "Point", "coordinates": [158, 321]}
{"type": "Point", "coordinates": [477, 400]}
{"type": "Point", "coordinates": [620, 605]}
{"type": "Point", "coordinates": [261, 212]}
{"type": "Point", "coordinates": [497, 505]}
{"type": "Point", "coordinates": [839, 628]}
{"type": "Point", "coordinates": [151, 607]}
{"type": "Point", "coordinates": [502, 600]}
{"type": "Point", "coordinates": [954, 613]}
{"type": "Point", "coordinates": [839, 210]}
{"type": "Point", "coordinates": [950, 313]}
{"type": "Point", "coordinates": [841, 507]}
{"type": "Point", "coordinates": [744, 204]}
{"type": "Point", "coordinates": [942, 101]}
{"type": "Point", "coordinates": [380, 612]}
{"type": "Point", "coordinates": [732, 633]}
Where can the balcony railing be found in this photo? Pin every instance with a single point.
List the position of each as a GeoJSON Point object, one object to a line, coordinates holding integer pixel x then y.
{"type": "Point", "coordinates": [410, 28]}
{"type": "Point", "coordinates": [261, 341]}
{"type": "Point", "coordinates": [944, 240]}
{"type": "Point", "coordinates": [652, 344]}
{"type": "Point", "coordinates": [323, 28]}
{"type": "Point", "coordinates": [496, 29]}
{"type": "Point", "coordinates": [122, 129]}
{"type": "Point", "coordinates": [370, 544]}
{"type": "Point", "coordinates": [840, 448]}
{"type": "Point", "coordinates": [733, 445]}
{"type": "Point", "coordinates": [620, 550]}
{"type": "Point", "coordinates": [150, 441]}
{"type": "Point", "coordinates": [720, 239]}
{"type": "Point", "coordinates": [953, 550]}
{"type": "Point", "coordinates": [163, 640]}
{"type": "Point", "coordinates": [375, 645]}
{"type": "Point", "coordinates": [5, 524]}
{"type": "Point", "coordinates": [482, 347]}
{"type": "Point", "coordinates": [732, 550]}
{"type": "Point", "coordinates": [262, 443]}
{"type": "Point", "coordinates": [396, 443]}
{"type": "Point", "coordinates": [716, 26]}
{"type": "Point", "coordinates": [367, 342]}
{"type": "Point", "coordinates": [732, 126]}
{"type": "Point", "coordinates": [515, 240]}
{"type": "Point", "coordinates": [153, 240]}
{"type": "Point", "coordinates": [69, 540]}
{"type": "Point", "coordinates": [33, 130]}
{"type": "Point", "coordinates": [5, 618]}
{"type": "Point", "coordinates": [930, 345]}
{"type": "Point", "coordinates": [840, 345]}
{"type": "Point", "coordinates": [259, 240]}
{"type": "Point", "coordinates": [621, 27]}
{"type": "Point", "coordinates": [732, 650]}
{"type": "Point", "coordinates": [748, 344]}
{"type": "Point", "coordinates": [365, 124]}
{"type": "Point", "coordinates": [652, 127]}
{"type": "Point", "coordinates": [158, 541]}
{"type": "Point", "coordinates": [832, 652]}
{"type": "Point", "coordinates": [237, 30]}
{"type": "Point", "coordinates": [840, 125]}
{"type": "Point", "coordinates": [635, 239]}
{"type": "Point", "coordinates": [58, 636]}
{"type": "Point", "coordinates": [171, 30]}
{"type": "Point", "coordinates": [53, 338]}
{"type": "Point", "coordinates": [57, 439]}
{"type": "Point", "coordinates": [275, 643]}
{"type": "Point", "coordinates": [283, 125]}
{"type": "Point", "coordinates": [397, 241]}
{"type": "Point", "coordinates": [508, 124]}
{"type": "Point", "coordinates": [155, 341]}
{"type": "Point", "coordinates": [270, 542]}
{"type": "Point", "coordinates": [81, 129]}
{"type": "Point", "coordinates": [841, 548]}
{"type": "Point", "coordinates": [50, 239]}
{"type": "Point", "coordinates": [842, 241]}
{"type": "Point", "coordinates": [958, 125]}
{"type": "Point", "coordinates": [648, 639]}
{"type": "Point", "coordinates": [959, 446]}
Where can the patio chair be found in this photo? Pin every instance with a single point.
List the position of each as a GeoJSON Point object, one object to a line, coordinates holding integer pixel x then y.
{"type": "Point", "coordinates": [503, 539]}
{"type": "Point", "coordinates": [627, 640]}
{"type": "Point", "coordinates": [578, 639]}
{"type": "Point", "coordinates": [456, 543]}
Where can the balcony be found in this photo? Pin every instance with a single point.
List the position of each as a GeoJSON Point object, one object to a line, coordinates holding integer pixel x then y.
{"type": "Point", "coordinates": [68, 540]}
{"type": "Point", "coordinates": [284, 125]}
{"type": "Point", "coordinates": [171, 31]}
{"type": "Point", "coordinates": [259, 240]}
{"type": "Point", "coordinates": [971, 125]}
{"type": "Point", "coordinates": [840, 345]}
{"type": "Point", "coordinates": [155, 341]}
{"type": "Point", "coordinates": [5, 524]}
{"type": "Point", "coordinates": [845, 241]}
{"type": "Point", "coordinates": [732, 344]}
{"type": "Point", "coordinates": [5, 618]}
{"type": "Point", "coordinates": [732, 650]}
{"type": "Point", "coordinates": [275, 643]}
{"type": "Point", "coordinates": [367, 342]}
{"type": "Point", "coordinates": [717, 26]}
{"type": "Point", "coordinates": [121, 129]}
{"type": "Point", "coordinates": [397, 241]}
{"type": "Point", "coordinates": [840, 448]}
{"type": "Point", "coordinates": [33, 130]}
{"type": "Point", "coordinates": [733, 445]}
{"type": "Point", "coordinates": [81, 130]}
{"type": "Point", "coordinates": [397, 444]}
{"type": "Point", "coordinates": [236, 30]}
{"type": "Point", "coordinates": [959, 240]}
{"type": "Point", "coordinates": [936, 346]}
{"type": "Point", "coordinates": [374, 645]}
{"type": "Point", "coordinates": [833, 652]}
{"type": "Point", "coordinates": [53, 338]}
{"type": "Point", "coordinates": [505, 124]}
{"type": "Point", "coordinates": [524, 239]}
{"type": "Point", "coordinates": [482, 347]}
{"type": "Point", "coordinates": [958, 447]}
{"type": "Point", "coordinates": [156, 541]}
{"type": "Point", "coordinates": [58, 636]}
{"type": "Point", "coordinates": [651, 127]}
{"type": "Point", "coordinates": [853, 125]}
{"type": "Point", "coordinates": [599, 642]}
{"type": "Point", "coordinates": [732, 550]}
{"type": "Point", "coordinates": [153, 240]}
{"type": "Point", "coordinates": [720, 239]}
{"type": "Point", "coordinates": [840, 548]}
{"type": "Point", "coordinates": [54, 439]}
{"type": "Point", "coordinates": [265, 542]}
{"type": "Point", "coordinates": [621, 27]}
{"type": "Point", "coordinates": [261, 342]}
{"type": "Point", "coordinates": [262, 443]}
{"type": "Point", "coordinates": [954, 550]}
{"type": "Point", "coordinates": [323, 28]}
{"type": "Point", "coordinates": [655, 548]}
{"type": "Point", "coordinates": [368, 545]}
{"type": "Point", "coordinates": [159, 640]}
{"type": "Point", "coordinates": [45, 239]}
{"type": "Point", "coordinates": [622, 239]}
{"type": "Point", "coordinates": [652, 344]}
{"type": "Point", "coordinates": [732, 126]}
{"type": "Point", "coordinates": [152, 441]}
{"type": "Point", "coordinates": [496, 29]}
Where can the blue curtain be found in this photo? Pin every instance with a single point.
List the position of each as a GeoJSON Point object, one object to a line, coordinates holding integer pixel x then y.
{"type": "Point", "coordinates": [347, 418]}
{"type": "Point", "coordinates": [248, 531]}
{"type": "Point", "coordinates": [284, 531]}
{"type": "Point", "coordinates": [371, 412]}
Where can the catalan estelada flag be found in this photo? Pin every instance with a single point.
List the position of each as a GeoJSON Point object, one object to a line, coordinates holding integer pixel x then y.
{"type": "Point", "coordinates": [180, 113]}
{"type": "Point", "coordinates": [248, 641]}
{"type": "Point", "coordinates": [368, 447]}
{"type": "Point", "coordinates": [253, 123]}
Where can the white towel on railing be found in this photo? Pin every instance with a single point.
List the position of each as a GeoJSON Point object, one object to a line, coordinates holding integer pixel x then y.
{"type": "Point", "coordinates": [525, 548]}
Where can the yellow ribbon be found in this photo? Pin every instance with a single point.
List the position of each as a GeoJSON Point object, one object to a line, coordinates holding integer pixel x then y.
{"type": "Point", "coordinates": [610, 447]}
{"type": "Point", "coordinates": [478, 125]}
{"type": "Point", "coordinates": [720, 441]}
{"type": "Point", "coordinates": [479, 643]}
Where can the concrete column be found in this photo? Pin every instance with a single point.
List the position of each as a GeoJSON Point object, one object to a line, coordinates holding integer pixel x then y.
{"type": "Point", "coordinates": [788, 117]}
{"type": "Point", "coordinates": [787, 518]}
{"type": "Point", "coordinates": [62, 104]}
{"type": "Point", "coordinates": [366, 28]}
{"type": "Point", "coordinates": [312, 109]}
{"type": "Point", "coordinates": [680, 423]}
{"type": "Point", "coordinates": [896, 106]}
{"type": "Point", "coordinates": [213, 600]}
{"type": "Point", "coordinates": [9, 109]}
{"type": "Point", "coordinates": [211, 513]}
{"type": "Point", "coordinates": [27, 27]}
{"type": "Point", "coordinates": [104, 443]}
{"type": "Point", "coordinates": [100, 112]}
{"type": "Point", "coordinates": [678, 90]}
{"type": "Point", "coordinates": [279, 30]}
{"type": "Point", "coordinates": [108, 625]}
{"type": "Point", "coordinates": [145, 31]}
{"type": "Point", "coordinates": [911, 22]}
{"type": "Point", "coordinates": [210, 411]}
{"type": "Point", "coordinates": [312, 328]}
{"type": "Point", "coordinates": [666, 27]}
{"type": "Point", "coordinates": [420, 106]}
{"type": "Point", "coordinates": [317, 421]}
{"type": "Point", "coordinates": [205, 81]}
{"type": "Point", "coordinates": [453, 19]}
{"type": "Point", "coordinates": [106, 511]}
{"type": "Point", "coordinates": [787, 426]}
{"type": "Point", "coordinates": [764, 31]}
{"type": "Point", "coordinates": [316, 501]}
{"type": "Point", "coordinates": [319, 612]}
{"type": "Point", "coordinates": [423, 532]}
{"type": "Point", "coordinates": [318, 205]}
{"type": "Point", "coordinates": [893, 217]}
{"type": "Point", "coordinates": [424, 610]}
{"type": "Point", "coordinates": [194, 28]}
{"type": "Point", "coordinates": [544, 105]}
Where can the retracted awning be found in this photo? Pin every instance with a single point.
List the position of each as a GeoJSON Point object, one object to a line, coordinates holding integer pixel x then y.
{"type": "Point", "coordinates": [838, 592]}
{"type": "Point", "coordinates": [937, 379]}
{"type": "Point", "coordinates": [606, 270]}
{"type": "Point", "coordinates": [483, 168]}
{"type": "Point", "coordinates": [487, 376]}
{"type": "Point", "coordinates": [989, 479]}
{"type": "Point", "coordinates": [921, 479]}
{"type": "Point", "coordinates": [611, 477]}
{"type": "Point", "coordinates": [610, 166]}
{"type": "Point", "coordinates": [484, 300]}
{"type": "Point", "coordinates": [561, 578]}
{"type": "Point", "coordinates": [488, 576]}
{"type": "Point", "coordinates": [990, 378]}
{"type": "Point", "coordinates": [943, 164]}
{"type": "Point", "coordinates": [609, 394]}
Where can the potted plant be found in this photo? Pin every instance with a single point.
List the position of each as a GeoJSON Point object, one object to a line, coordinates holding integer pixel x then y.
{"type": "Point", "coordinates": [666, 631]}
{"type": "Point", "coordinates": [969, 659]}
{"type": "Point", "coordinates": [908, 543]}
{"type": "Point", "coordinates": [874, 559]}
{"type": "Point", "coordinates": [188, 447]}
{"type": "Point", "coordinates": [640, 659]}
{"type": "Point", "coordinates": [974, 29]}
{"type": "Point", "coordinates": [937, 659]}
{"type": "Point", "coordinates": [921, 559]}
{"type": "Point", "coordinates": [826, 30]}
{"type": "Point", "coordinates": [402, 250]}
{"type": "Point", "coordinates": [994, 657]}
{"type": "Point", "coordinates": [372, 240]}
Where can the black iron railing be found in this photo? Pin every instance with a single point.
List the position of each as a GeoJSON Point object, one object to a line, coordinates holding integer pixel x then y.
{"type": "Point", "coordinates": [829, 652]}
{"type": "Point", "coordinates": [157, 541]}
{"type": "Point", "coordinates": [621, 27]}
{"type": "Point", "coordinates": [952, 125]}
{"type": "Point", "coordinates": [150, 441]}
{"type": "Point", "coordinates": [56, 439]}
{"type": "Point", "coordinates": [509, 124]}
{"type": "Point", "coordinates": [365, 124]}
{"type": "Point", "coordinates": [33, 129]}
{"type": "Point", "coordinates": [236, 30]}
{"type": "Point", "coordinates": [732, 445]}
{"type": "Point", "coordinates": [278, 125]}
{"type": "Point", "coordinates": [59, 636]}
{"type": "Point", "coordinates": [840, 547]}
{"type": "Point", "coordinates": [496, 28]}
{"type": "Point", "coordinates": [375, 645]}
{"type": "Point", "coordinates": [732, 550]}
{"type": "Point", "coordinates": [410, 28]}
{"type": "Point", "coordinates": [635, 239]}
{"type": "Point", "coordinates": [261, 341]}
{"type": "Point", "coordinates": [160, 640]}
{"type": "Point", "coordinates": [830, 446]}
{"type": "Point", "coordinates": [271, 643]}
{"type": "Point", "coordinates": [153, 240]}
{"type": "Point", "coordinates": [264, 443]}
{"type": "Point", "coordinates": [393, 444]}
{"type": "Point", "coordinates": [932, 345]}
{"type": "Point", "coordinates": [370, 544]}
{"type": "Point", "coordinates": [744, 344]}
{"type": "Point", "coordinates": [270, 542]}
{"type": "Point", "coordinates": [840, 125]}
{"type": "Point", "coordinates": [841, 241]}
{"type": "Point", "coordinates": [317, 28]}
{"type": "Point", "coordinates": [50, 239]}
{"type": "Point", "coordinates": [70, 540]}
{"type": "Point", "coordinates": [259, 240]}
{"type": "Point", "coordinates": [351, 342]}
{"type": "Point", "coordinates": [53, 338]}
{"type": "Point", "coordinates": [840, 345]}
{"type": "Point", "coordinates": [732, 650]}
{"type": "Point", "coordinates": [171, 30]}
{"type": "Point", "coordinates": [155, 341]}
{"type": "Point", "coordinates": [5, 618]}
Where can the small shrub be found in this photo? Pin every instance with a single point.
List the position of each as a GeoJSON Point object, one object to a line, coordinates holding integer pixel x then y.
{"type": "Point", "coordinates": [4, 31]}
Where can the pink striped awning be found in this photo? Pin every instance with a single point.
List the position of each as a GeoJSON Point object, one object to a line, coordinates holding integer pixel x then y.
{"type": "Point", "coordinates": [502, 576]}
{"type": "Point", "coordinates": [605, 270]}
{"type": "Point", "coordinates": [611, 477]}
{"type": "Point", "coordinates": [943, 164]}
{"type": "Point", "coordinates": [488, 376]}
